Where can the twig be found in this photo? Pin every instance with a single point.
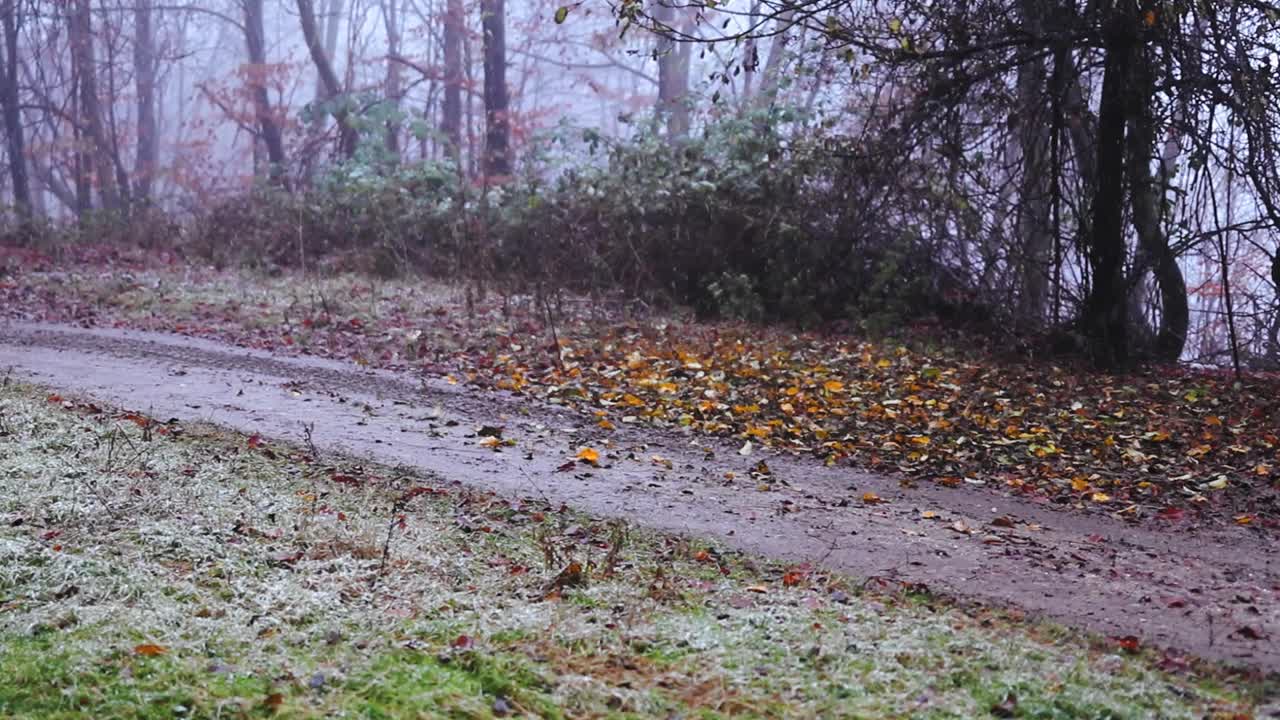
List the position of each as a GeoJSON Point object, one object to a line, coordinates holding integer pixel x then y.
{"type": "Point", "coordinates": [307, 429]}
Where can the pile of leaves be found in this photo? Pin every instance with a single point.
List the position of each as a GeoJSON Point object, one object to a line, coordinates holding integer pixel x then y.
{"type": "Point", "coordinates": [1171, 444]}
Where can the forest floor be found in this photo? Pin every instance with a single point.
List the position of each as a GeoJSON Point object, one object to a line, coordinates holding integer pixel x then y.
{"type": "Point", "coordinates": [938, 473]}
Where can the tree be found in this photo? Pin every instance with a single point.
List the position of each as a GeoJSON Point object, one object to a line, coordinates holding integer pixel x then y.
{"type": "Point", "coordinates": [451, 112]}
{"type": "Point", "coordinates": [80, 35]}
{"type": "Point", "coordinates": [334, 95]}
{"type": "Point", "coordinates": [1087, 89]}
{"type": "Point", "coordinates": [144, 68]}
{"type": "Point", "coordinates": [11, 107]}
{"type": "Point", "coordinates": [497, 135]}
{"type": "Point", "coordinates": [391, 86]}
{"type": "Point", "coordinates": [271, 135]}
{"type": "Point", "coordinates": [673, 77]}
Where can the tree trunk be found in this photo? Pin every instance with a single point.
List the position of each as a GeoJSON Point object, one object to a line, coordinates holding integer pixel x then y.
{"type": "Point", "coordinates": [15, 144]}
{"type": "Point", "coordinates": [80, 35]}
{"type": "Point", "coordinates": [145, 79]}
{"type": "Point", "coordinates": [391, 18]}
{"type": "Point", "coordinates": [1033, 127]}
{"type": "Point", "coordinates": [1146, 199]}
{"type": "Point", "coordinates": [770, 80]}
{"type": "Point", "coordinates": [272, 136]}
{"type": "Point", "coordinates": [673, 77]}
{"type": "Point", "coordinates": [451, 120]}
{"type": "Point", "coordinates": [1104, 320]}
{"type": "Point", "coordinates": [348, 138]}
{"type": "Point", "coordinates": [497, 126]}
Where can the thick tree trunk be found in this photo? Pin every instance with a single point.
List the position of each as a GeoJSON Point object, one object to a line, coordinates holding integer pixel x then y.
{"type": "Point", "coordinates": [1146, 199]}
{"type": "Point", "coordinates": [497, 126]}
{"type": "Point", "coordinates": [1033, 128]}
{"type": "Point", "coordinates": [80, 35]}
{"type": "Point", "coordinates": [272, 137]}
{"type": "Point", "coordinates": [15, 142]}
{"type": "Point", "coordinates": [771, 79]}
{"type": "Point", "coordinates": [348, 138]}
{"type": "Point", "coordinates": [145, 79]}
{"type": "Point", "coordinates": [1104, 320]}
{"type": "Point", "coordinates": [451, 113]}
{"type": "Point", "coordinates": [673, 77]}
{"type": "Point", "coordinates": [391, 19]}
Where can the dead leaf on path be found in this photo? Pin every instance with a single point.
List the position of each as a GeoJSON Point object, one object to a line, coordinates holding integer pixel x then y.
{"type": "Point", "coordinates": [1250, 633]}
{"type": "Point", "coordinates": [870, 498]}
{"type": "Point", "coordinates": [149, 650]}
{"type": "Point", "coordinates": [589, 455]}
{"type": "Point", "coordinates": [961, 528]}
{"type": "Point", "coordinates": [1128, 643]}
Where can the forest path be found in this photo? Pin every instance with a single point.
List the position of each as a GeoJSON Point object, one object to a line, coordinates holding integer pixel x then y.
{"type": "Point", "coordinates": [1215, 594]}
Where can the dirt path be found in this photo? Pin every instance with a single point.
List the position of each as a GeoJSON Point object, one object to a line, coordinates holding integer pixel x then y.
{"type": "Point", "coordinates": [1214, 594]}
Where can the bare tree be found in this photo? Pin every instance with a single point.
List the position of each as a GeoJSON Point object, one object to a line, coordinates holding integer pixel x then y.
{"type": "Point", "coordinates": [271, 134]}
{"type": "Point", "coordinates": [144, 62]}
{"type": "Point", "coordinates": [10, 105]}
{"type": "Point", "coordinates": [349, 137]}
{"type": "Point", "coordinates": [80, 35]}
{"type": "Point", "coordinates": [451, 113]}
{"type": "Point", "coordinates": [497, 136]}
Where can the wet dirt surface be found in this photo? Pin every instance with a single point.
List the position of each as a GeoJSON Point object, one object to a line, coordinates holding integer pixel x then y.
{"type": "Point", "coordinates": [1215, 594]}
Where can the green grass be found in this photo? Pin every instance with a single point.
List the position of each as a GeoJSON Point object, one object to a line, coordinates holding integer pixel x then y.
{"type": "Point", "coordinates": [262, 585]}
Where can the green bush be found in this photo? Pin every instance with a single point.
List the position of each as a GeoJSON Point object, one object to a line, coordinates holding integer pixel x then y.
{"type": "Point", "coordinates": [750, 219]}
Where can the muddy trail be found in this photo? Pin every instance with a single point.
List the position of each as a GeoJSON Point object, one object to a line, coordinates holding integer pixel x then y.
{"type": "Point", "coordinates": [1210, 593]}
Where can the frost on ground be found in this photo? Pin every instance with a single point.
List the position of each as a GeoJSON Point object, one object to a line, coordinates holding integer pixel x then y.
{"type": "Point", "coordinates": [149, 569]}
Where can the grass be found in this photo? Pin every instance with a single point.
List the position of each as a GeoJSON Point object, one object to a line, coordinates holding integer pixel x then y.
{"type": "Point", "coordinates": [202, 573]}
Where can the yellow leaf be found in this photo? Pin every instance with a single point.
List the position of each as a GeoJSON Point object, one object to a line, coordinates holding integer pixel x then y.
{"type": "Point", "coordinates": [1099, 497]}
{"type": "Point", "coordinates": [884, 363]}
{"type": "Point", "coordinates": [490, 442]}
{"type": "Point", "coordinates": [632, 400]}
{"type": "Point", "coordinates": [1219, 483]}
{"type": "Point", "coordinates": [929, 515]}
{"type": "Point", "coordinates": [1244, 519]}
{"type": "Point", "coordinates": [1079, 484]}
{"type": "Point", "coordinates": [834, 386]}
{"type": "Point", "coordinates": [586, 454]}
{"type": "Point", "coordinates": [605, 424]}
{"type": "Point", "coordinates": [871, 498]}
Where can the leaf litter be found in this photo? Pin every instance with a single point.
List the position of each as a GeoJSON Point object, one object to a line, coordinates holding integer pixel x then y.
{"type": "Point", "coordinates": [1167, 445]}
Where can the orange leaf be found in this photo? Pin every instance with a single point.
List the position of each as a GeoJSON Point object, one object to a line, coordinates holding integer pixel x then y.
{"type": "Point", "coordinates": [149, 650]}
{"type": "Point", "coordinates": [586, 454]}
{"type": "Point", "coordinates": [871, 498]}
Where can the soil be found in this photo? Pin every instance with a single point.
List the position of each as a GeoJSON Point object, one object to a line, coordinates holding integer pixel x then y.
{"type": "Point", "coordinates": [1212, 593]}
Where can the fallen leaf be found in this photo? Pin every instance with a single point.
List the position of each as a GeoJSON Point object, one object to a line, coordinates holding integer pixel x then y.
{"type": "Point", "coordinates": [589, 455]}
{"type": "Point", "coordinates": [149, 650]}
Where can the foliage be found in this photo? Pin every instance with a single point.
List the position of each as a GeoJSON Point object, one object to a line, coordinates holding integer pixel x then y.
{"type": "Point", "coordinates": [725, 222]}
